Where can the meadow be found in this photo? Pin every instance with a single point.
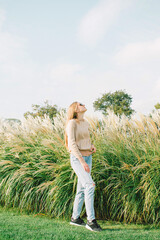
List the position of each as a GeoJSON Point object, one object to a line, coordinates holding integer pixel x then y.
{"type": "Point", "coordinates": [36, 176]}
{"type": "Point", "coordinates": [19, 225]}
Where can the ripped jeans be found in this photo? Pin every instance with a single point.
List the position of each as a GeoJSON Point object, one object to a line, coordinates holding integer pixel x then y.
{"type": "Point", "coordinates": [85, 188]}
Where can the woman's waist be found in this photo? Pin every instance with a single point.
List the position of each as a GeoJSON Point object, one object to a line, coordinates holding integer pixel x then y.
{"type": "Point", "coordinates": [85, 152]}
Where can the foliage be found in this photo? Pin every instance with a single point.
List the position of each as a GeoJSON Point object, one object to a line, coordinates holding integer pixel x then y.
{"type": "Point", "coordinates": [36, 175]}
{"type": "Point", "coordinates": [118, 101]}
{"type": "Point", "coordinates": [12, 120]}
{"type": "Point", "coordinates": [50, 110]}
{"type": "Point", "coordinates": [157, 106]}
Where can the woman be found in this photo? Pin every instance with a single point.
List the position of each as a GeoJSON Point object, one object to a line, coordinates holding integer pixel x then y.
{"type": "Point", "coordinates": [77, 141]}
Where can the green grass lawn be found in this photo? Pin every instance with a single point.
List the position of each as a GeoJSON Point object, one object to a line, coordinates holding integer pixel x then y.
{"type": "Point", "coordinates": [15, 225]}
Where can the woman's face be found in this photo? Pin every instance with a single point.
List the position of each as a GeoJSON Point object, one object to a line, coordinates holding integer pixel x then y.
{"type": "Point", "coordinates": [81, 108]}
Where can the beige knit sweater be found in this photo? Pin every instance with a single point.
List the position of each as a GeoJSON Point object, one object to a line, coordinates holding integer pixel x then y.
{"type": "Point", "coordinates": [78, 136]}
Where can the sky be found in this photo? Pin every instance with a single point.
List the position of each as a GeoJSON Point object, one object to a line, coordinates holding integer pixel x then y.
{"type": "Point", "coordinates": [65, 51]}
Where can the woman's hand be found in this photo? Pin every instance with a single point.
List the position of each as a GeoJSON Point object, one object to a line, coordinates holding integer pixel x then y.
{"type": "Point", "coordinates": [93, 149]}
{"type": "Point", "coordinates": [86, 167]}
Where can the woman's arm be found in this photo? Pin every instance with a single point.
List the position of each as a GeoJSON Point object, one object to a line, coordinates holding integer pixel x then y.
{"type": "Point", "coordinates": [72, 143]}
{"type": "Point", "coordinates": [93, 149]}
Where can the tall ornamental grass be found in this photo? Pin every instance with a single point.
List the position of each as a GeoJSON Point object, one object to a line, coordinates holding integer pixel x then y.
{"type": "Point", "coordinates": [36, 175]}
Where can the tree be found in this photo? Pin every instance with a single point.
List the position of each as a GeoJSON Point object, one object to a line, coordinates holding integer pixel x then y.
{"type": "Point", "coordinates": [157, 106]}
{"type": "Point", "coordinates": [11, 121]}
{"type": "Point", "coordinates": [50, 110]}
{"type": "Point", "coordinates": [118, 101]}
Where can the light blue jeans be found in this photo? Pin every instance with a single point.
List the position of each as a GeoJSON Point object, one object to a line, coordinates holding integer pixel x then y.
{"type": "Point", "coordinates": [85, 188]}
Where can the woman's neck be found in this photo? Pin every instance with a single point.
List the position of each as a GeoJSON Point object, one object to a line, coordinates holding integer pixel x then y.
{"type": "Point", "coordinates": [80, 116]}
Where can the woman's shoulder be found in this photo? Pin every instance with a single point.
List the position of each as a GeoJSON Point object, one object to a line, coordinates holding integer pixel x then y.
{"type": "Point", "coordinates": [71, 122]}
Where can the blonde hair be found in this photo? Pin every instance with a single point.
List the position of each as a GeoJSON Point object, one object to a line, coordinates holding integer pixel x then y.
{"type": "Point", "coordinates": [71, 114]}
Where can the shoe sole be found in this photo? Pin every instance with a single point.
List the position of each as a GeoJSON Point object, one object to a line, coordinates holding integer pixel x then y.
{"type": "Point", "coordinates": [89, 228]}
{"type": "Point", "coordinates": [77, 224]}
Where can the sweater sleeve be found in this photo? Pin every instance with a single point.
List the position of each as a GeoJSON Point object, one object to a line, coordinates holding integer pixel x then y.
{"type": "Point", "coordinates": [71, 139]}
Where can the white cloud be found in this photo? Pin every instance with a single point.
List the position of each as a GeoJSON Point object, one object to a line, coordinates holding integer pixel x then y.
{"type": "Point", "coordinates": [140, 52]}
{"type": "Point", "coordinates": [97, 21]}
{"type": "Point", "coordinates": [29, 82]}
{"type": "Point", "coordinates": [24, 82]}
{"type": "Point", "coordinates": [156, 88]}
{"type": "Point", "coordinates": [11, 46]}
{"type": "Point", "coordinates": [65, 72]}
{"type": "Point", "coordinates": [19, 75]}
{"type": "Point", "coordinates": [13, 54]}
